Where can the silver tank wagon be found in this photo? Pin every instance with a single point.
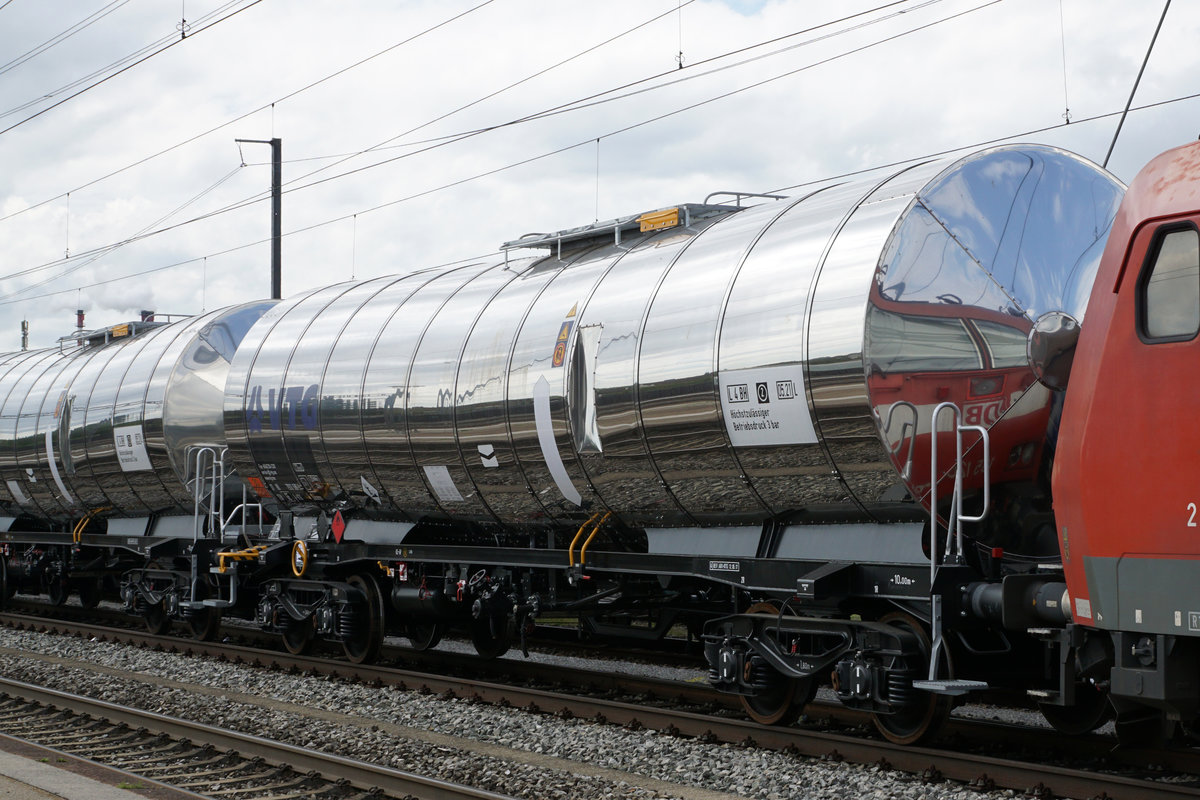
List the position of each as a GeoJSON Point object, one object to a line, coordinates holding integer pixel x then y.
{"type": "Point", "coordinates": [707, 365]}
{"type": "Point", "coordinates": [102, 425]}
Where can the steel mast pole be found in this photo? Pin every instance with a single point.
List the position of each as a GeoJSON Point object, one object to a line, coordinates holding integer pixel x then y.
{"type": "Point", "coordinates": [276, 219]}
{"type": "Point", "coordinates": [276, 212]}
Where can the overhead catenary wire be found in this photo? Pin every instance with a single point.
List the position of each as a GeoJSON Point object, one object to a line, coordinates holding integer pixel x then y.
{"type": "Point", "coordinates": [525, 161]}
{"type": "Point", "coordinates": [522, 162]}
{"type": "Point", "coordinates": [611, 95]}
{"type": "Point", "coordinates": [91, 259]}
{"type": "Point", "coordinates": [679, 55]}
{"type": "Point", "coordinates": [126, 68]}
{"type": "Point", "coordinates": [5, 300]}
{"type": "Point", "coordinates": [104, 251]}
{"type": "Point", "coordinates": [1062, 33]}
{"type": "Point", "coordinates": [558, 109]}
{"type": "Point", "coordinates": [384, 144]}
{"type": "Point", "coordinates": [46, 95]}
{"type": "Point", "coordinates": [251, 113]}
{"type": "Point", "coordinates": [1136, 81]}
{"type": "Point", "coordinates": [345, 157]}
{"type": "Point", "coordinates": [984, 143]}
{"type": "Point", "coordinates": [62, 36]}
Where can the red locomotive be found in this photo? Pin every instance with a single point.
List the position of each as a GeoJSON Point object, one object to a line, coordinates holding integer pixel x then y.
{"type": "Point", "coordinates": [1127, 470]}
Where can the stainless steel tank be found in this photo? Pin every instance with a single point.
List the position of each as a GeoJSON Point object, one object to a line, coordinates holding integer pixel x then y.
{"type": "Point", "coordinates": [103, 424]}
{"type": "Point", "coordinates": [779, 360]}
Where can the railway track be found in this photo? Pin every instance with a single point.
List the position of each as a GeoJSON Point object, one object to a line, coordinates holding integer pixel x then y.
{"type": "Point", "coordinates": [559, 639]}
{"type": "Point", "coordinates": [201, 759]}
{"type": "Point", "coordinates": [649, 703]}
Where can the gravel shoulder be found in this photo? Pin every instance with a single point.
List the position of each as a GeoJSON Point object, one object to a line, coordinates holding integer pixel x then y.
{"type": "Point", "coordinates": [503, 750]}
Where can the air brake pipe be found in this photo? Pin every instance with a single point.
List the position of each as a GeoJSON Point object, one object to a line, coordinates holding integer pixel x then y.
{"type": "Point", "coordinates": [595, 530]}
{"type": "Point", "coordinates": [575, 541]}
{"type": "Point", "coordinates": [77, 532]}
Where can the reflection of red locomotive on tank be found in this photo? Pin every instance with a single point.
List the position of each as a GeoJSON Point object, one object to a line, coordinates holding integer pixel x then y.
{"type": "Point", "coordinates": [929, 354]}
{"type": "Point", "coordinates": [715, 416]}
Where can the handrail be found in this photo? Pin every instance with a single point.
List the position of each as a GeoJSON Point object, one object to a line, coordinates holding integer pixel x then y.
{"type": "Point", "coordinates": [954, 519]}
{"type": "Point", "coordinates": [907, 431]}
{"type": "Point", "coordinates": [206, 479]}
{"type": "Point", "coordinates": [737, 196]}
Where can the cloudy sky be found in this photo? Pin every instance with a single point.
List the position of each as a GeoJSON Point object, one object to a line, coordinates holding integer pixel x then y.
{"type": "Point", "coordinates": [114, 127]}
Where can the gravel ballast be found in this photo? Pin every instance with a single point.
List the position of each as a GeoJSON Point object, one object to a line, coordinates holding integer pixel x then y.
{"type": "Point", "coordinates": [504, 750]}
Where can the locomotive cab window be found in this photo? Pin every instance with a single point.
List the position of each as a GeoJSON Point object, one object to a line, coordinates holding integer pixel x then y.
{"type": "Point", "coordinates": [1169, 292]}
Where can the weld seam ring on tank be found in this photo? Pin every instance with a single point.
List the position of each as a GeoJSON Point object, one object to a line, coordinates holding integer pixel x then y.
{"type": "Point", "coordinates": [404, 420]}
{"type": "Point", "coordinates": [385, 284]}
{"type": "Point", "coordinates": [310, 323]}
{"type": "Point", "coordinates": [384, 325]}
{"type": "Point", "coordinates": [720, 327]}
{"type": "Point", "coordinates": [834, 235]}
{"type": "Point", "coordinates": [569, 378]}
{"type": "Point", "coordinates": [507, 418]}
{"type": "Point", "coordinates": [507, 373]}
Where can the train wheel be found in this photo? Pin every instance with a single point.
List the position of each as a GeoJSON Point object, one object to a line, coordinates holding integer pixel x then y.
{"type": "Point", "coordinates": [926, 713]}
{"type": "Point", "coordinates": [364, 642]}
{"type": "Point", "coordinates": [1091, 710]}
{"type": "Point", "coordinates": [784, 701]}
{"type": "Point", "coordinates": [89, 592]}
{"type": "Point", "coordinates": [157, 621]}
{"type": "Point", "coordinates": [490, 637]}
{"type": "Point", "coordinates": [298, 636]}
{"type": "Point", "coordinates": [58, 589]}
{"type": "Point", "coordinates": [424, 634]}
{"type": "Point", "coordinates": [204, 624]}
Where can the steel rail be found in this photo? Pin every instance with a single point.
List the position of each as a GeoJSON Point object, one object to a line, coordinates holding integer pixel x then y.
{"type": "Point", "coordinates": [91, 769]}
{"type": "Point", "coordinates": [966, 767]}
{"type": "Point", "coordinates": [392, 782]}
{"type": "Point", "coordinates": [668, 653]}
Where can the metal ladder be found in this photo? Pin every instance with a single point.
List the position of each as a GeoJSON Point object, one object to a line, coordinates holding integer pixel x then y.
{"type": "Point", "coordinates": [206, 483]}
{"type": "Point", "coordinates": [953, 549]}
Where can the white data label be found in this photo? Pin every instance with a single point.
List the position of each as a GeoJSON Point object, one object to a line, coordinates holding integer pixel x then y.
{"type": "Point", "coordinates": [131, 448]}
{"type": "Point", "coordinates": [766, 406]}
{"type": "Point", "coordinates": [443, 485]}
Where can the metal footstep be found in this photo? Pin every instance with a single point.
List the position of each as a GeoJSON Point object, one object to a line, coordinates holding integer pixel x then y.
{"type": "Point", "coordinates": [950, 687]}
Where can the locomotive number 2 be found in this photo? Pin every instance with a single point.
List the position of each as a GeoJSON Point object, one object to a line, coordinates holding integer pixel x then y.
{"type": "Point", "coordinates": [1192, 519]}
